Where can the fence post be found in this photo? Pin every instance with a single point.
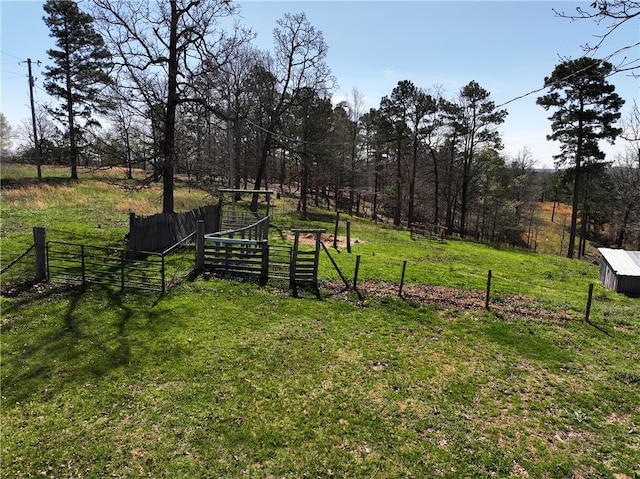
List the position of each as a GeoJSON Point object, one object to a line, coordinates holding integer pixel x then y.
{"type": "Point", "coordinates": [348, 236]}
{"type": "Point", "coordinates": [355, 273]}
{"type": "Point", "coordinates": [123, 256]}
{"type": "Point", "coordinates": [586, 318]}
{"type": "Point", "coordinates": [335, 231]}
{"type": "Point", "coordinates": [293, 266]}
{"type": "Point", "coordinates": [355, 277]}
{"type": "Point", "coordinates": [486, 300]}
{"type": "Point", "coordinates": [132, 241]}
{"type": "Point", "coordinates": [404, 268]}
{"type": "Point", "coordinates": [200, 245]}
{"type": "Point", "coordinates": [264, 270]}
{"type": "Point", "coordinates": [39, 240]}
{"type": "Point", "coordinates": [162, 273]}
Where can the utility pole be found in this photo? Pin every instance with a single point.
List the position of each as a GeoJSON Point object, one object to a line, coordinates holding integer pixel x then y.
{"type": "Point", "coordinates": [33, 121]}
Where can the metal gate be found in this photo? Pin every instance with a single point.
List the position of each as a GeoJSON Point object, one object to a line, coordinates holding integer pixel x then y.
{"type": "Point", "coordinates": [79, 264]}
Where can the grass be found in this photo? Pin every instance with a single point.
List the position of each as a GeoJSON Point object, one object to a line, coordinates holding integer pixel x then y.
{"type": "Point", "coordinates": [226, 379]}
{"type": "Point", "coordinates": [95, 209]}
{"type": "Point", "coordinates": [195, 386]}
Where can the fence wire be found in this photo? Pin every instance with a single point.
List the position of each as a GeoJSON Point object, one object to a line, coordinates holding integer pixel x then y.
{"type": "Point", "coordinates": [20, 269]}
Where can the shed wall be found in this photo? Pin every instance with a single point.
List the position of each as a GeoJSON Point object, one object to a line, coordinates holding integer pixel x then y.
{"type": "Point", "coordinates": [620, 271]}
{"type": "Point", "coordinates": [628, 285]}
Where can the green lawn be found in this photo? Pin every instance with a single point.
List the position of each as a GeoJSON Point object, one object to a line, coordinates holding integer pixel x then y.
{"type": "Point", "coordinates": [227, 379]}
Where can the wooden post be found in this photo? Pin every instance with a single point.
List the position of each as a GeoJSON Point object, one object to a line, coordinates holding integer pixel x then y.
{"type": "Point", "coordinates": [264, 268]}
{"type": "Point", "coordinates": [316, 257]}
{"type": "Point", "coordinates": [404, 268]}
{"type": "Point", "coordinates": [335, 265]}
{"type": "Point", "coordinates": [348, 236]}
{"type": "Point", "coordinates": [586, 318]}
{"type": "Point", "coordinates": [268, 204]}
{"type": "Point", "coordinates": [335, 231]}
{"type": "Point", "coordinates": [133, 241]}
{"type": "Point", "coordinates": [200, 245]}
{"type": "Point", "coordinates": [294, 259]}
{"type": "Point", "coordinates": [39, 240]}
{"type": "Point", "coordinates": [488, 295]}
{"type": "Point", "coordinates": [355, 274]}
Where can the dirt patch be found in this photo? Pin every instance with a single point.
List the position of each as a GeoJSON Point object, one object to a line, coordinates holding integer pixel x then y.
{"type": "Point", "coordinates": [326, 238]}
{"type": "Point", "coordinates": [508, 306]}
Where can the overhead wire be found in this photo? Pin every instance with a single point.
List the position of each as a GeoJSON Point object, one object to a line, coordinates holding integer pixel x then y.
{"type": "Point", "coordinates": [10, 55]}
{"type": "Point", "coordinates": [571, 75]}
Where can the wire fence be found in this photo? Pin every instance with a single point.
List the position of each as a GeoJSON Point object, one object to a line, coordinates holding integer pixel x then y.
{"type": "Point", "coordinates": [20, 269]}
{"type": "Point", "coordinates": [81, 263]}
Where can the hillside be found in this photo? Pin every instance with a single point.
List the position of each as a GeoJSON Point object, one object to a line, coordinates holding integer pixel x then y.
{"type": "Point", "coordinates": [227, 379]}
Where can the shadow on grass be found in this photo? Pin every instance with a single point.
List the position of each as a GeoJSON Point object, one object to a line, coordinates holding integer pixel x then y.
{"type": "Point", "coordinates": [13, 183]}
{"type": "Point", "coordinates": [90, 338]}
{"type": "Point", "coordinates": [525, 342]}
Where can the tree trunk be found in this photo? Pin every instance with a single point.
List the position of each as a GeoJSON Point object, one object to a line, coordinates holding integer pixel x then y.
{"type": "Point", "coordinates": [436, 188]}
{"type": "Point", "coordinates": [169, 143]}
{"type": "Point", "coordinates": [583, 222]}
{"type": "Point", "coordinates": [576, 199]}
{"type": "Point", "coordinates": [304, 188]}
{"type": "Point", "coordinates": [412, 185]}
{"type": "Point", "coordinates": [73, 150]}
{"type": "Point", "coordinates": [623, 226]}
{"type": "Point", "coordinates": [465, 194]}
{"type": "Point", "coordinates": [262, 168]}
{"type": "Point", "coordinates": [397, 213]}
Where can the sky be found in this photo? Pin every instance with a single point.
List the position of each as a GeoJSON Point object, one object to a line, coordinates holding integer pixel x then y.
{"type": "Point", "coordinates": [507, 47]}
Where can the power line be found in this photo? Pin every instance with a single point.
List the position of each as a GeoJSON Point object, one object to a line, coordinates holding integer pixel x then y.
{"type": "Point", "coordinates": [17, 75]}
{"type": "Point", "coordinates": [10, 55]}
{"type": "Point", "coordinates": [538, 90]}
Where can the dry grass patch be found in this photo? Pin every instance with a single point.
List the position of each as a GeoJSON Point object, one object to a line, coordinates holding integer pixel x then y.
{"type": "Point", "coordinates": [40, 196]}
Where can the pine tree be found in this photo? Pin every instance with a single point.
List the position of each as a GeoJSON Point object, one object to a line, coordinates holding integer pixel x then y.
{"type": "Point", "coordinates": [80, 69]}
{"type": "Point", "coordinates": [586, 109]}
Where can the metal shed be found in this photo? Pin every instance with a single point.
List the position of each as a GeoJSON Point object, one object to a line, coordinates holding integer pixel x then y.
{"type": "Point", "coordinates": [620, 271]}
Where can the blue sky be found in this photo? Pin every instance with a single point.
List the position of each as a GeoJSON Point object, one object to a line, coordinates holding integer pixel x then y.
{"type": "Point", "coordinates": [508, 47]}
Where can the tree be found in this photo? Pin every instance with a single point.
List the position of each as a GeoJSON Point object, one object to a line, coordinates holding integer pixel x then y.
{"type": "Point", "coordinates": [164, 45]}
{"type": "Point", "coordinates": [626, 177]}
{"type": "Point", "coordinates": [233, 88]}
{"type": "Point", "coordinates": [477, 122]}
{"type": "Point", "coordinates": [348, 138]}
{"type": "Point", "coordinates": [51, 141]}
{"type": "Point", "coordinates": [378, 133]}
{"type": "Point", "coordinates": [298, 65]}
{"type": "Point", "coordinates": [586, 109]}
{"type": "Point", "coordinates": [396, 108]}
{"type": "Point", "coordinates": [308, 128]}
{"type": "Point", "coordinates": [6, 136]}
{"type": "Point", "coordinates": [80, 70]}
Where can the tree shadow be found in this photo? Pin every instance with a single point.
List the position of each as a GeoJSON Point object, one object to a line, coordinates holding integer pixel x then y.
{"type": "Point", "coordinates": [75, 345]}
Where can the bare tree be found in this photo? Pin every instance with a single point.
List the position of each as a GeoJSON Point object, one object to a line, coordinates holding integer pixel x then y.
{"type": "Point", "coordinates": [613, 14]}
{"type": "Point", "coordinates": [164, 43]}
{"type": "Point", "coordinates": [626, 176]}
{"type": "Point", "coordinates": [355, 110]}
{"type": "Point", "coordinates": [49, 136]}
{"type": "Point", "coordinates": [6, 136]}
{"type": "Point", "coordinates": [232, 89]}
{"type": "Point", "coordinates": [298, 65]}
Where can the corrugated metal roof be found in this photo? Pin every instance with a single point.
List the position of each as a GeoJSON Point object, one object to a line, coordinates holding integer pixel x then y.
{"type": "Point", "coordinates": [624, 263]}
